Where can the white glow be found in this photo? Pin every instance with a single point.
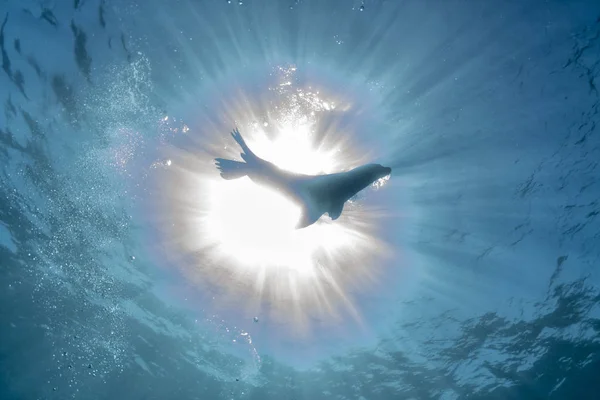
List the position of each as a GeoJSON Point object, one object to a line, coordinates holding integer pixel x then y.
{"type": "Point", "coordinates": [239, 237]}
{"type": "Point", "coordinates": [293, 150]}
{"type": "Point", "coordinates": [251, 223]}
{"type": "Point", "coordinates": [256, 225]}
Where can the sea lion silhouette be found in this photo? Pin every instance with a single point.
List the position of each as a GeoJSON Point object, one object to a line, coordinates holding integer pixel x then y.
{"type": "Point", "coordinates": [316, 194]}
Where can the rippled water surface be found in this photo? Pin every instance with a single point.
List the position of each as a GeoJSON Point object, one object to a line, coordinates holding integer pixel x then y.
{"type": "Point", "coordinates": [130, 270]}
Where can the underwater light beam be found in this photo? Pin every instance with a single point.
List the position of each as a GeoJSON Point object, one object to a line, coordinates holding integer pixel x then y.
{"type": "Point", "coordinates": [237, 238]}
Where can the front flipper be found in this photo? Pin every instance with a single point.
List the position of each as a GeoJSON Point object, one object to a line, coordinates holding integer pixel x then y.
{"type": "Point", "coordinates": [307, 217]}
{"type": "Point", "coordinates": [336, 210]}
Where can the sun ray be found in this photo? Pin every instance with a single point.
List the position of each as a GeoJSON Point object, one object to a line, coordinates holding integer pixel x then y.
{"type": "Point", "coordinates": [241, 235]}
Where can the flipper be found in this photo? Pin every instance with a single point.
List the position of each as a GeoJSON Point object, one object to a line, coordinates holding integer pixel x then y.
{"type": "Point", "coordinates": [231, 169]}
{"type": "Point", "coordinates": [235, 169]}
{"type": "Point", "coordinates": [308, 217]}
{"type": "Point", "coordinates": [247, 154]}
{"type": "Point", "coordinates": [336, 210]}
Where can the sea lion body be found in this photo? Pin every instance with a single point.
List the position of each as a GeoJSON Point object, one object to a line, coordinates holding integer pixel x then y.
{"type": "Point", "coordinates": [316, 194]}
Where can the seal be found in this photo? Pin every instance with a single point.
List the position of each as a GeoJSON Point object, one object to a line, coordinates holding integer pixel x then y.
{"type": "Point", "coordinates": [316, 194]}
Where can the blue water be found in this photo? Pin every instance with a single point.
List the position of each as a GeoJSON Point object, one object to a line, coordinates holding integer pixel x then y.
{"type": "Point", "coordinates": [485, 110]}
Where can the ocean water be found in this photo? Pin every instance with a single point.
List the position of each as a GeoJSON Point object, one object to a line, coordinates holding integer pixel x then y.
{"type": "Point", "coordinates": [130, 270]}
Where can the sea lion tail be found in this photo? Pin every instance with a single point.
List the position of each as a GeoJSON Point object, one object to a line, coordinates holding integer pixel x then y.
{"type": "Point", "coordinates": [231, 169]}
{"type": "Point", "coordinates": [247, 154]}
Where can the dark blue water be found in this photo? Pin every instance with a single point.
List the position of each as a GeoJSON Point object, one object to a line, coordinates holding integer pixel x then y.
{"type": "Point", "coordinates": [474, 272]}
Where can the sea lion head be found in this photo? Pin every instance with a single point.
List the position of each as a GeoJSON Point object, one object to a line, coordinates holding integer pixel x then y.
{"type": "Point", "coordinates": [373, 172]}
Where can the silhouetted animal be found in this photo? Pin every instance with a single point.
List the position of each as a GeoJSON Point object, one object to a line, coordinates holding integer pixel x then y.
{"type": "Point", "coordinates": [316, 194]}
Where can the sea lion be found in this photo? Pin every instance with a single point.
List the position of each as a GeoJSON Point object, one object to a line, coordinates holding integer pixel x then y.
{"type": "Point", "coordinates": [316, 194]}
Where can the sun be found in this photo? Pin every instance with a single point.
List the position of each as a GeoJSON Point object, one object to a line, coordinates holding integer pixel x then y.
{"type": "Point", "coordinates": [256, 224]}
{"type": "Point", "coordinates": [238, 239]}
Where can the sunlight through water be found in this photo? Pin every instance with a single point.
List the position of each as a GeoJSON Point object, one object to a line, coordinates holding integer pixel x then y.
{"type": "Point", "coordinates": [239, 237]}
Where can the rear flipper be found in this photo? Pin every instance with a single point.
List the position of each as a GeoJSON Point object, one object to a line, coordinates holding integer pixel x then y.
{"type": "Point", "coordinates": [231, 169]}
{"type": "Point", "coordinates": [246, 154]}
